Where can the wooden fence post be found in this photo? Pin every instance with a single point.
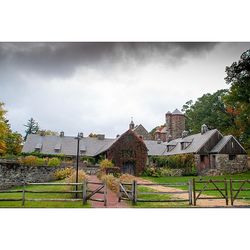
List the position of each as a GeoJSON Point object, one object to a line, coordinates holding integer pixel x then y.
{"type": "Point", "coordinates": [190, 193]}
{"type": "Point", "coordinates": [84, 192]}
{"type": "Point", "coordinates": [119, 193]}
{"type": "Point", "coordinates": [231, 192]}
{"type": "Point", "coordinates": [133, 192]}
{"type": "Point", "coordinates": [23, 195]}
{"type": "Point", "coordinates": [105, 194]}
{"type": "Point", "coordinates": [226, 193]}
{"type": "Point", "coordinates": [194, 192]}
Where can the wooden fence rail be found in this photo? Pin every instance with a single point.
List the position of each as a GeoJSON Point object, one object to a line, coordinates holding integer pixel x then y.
{"type": "Point", "coordinates": [130, 192]}
{"type": "Point", "coordinates": [235, 192]}
{"type": "Point", "coordinates": [222, 191]}
{"type": "Point", "coordinates": [87, 192]}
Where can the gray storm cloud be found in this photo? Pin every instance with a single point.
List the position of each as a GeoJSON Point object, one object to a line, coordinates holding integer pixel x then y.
{"type": "Point", "coordinates": [62, 59]}
{"type": "Point", "coordinates": [97, 87]}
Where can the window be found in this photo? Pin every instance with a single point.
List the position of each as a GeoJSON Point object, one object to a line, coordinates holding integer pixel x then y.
{"type": "Point", "coordinates": [231, 157]}
{"type": "Point", "coordinates": [184, 145]}
{"type": "Point", "coordinates": [170, 147]}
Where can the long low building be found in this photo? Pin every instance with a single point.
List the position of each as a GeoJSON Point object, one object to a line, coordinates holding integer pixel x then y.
{"type": "Point", "coordinates": [129, 151]}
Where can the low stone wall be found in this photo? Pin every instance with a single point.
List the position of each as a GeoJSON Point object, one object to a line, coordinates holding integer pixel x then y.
{"type": "Point", "coordinates": [238, 165]}
{"type": "Point", "coordinates": [12, 174]}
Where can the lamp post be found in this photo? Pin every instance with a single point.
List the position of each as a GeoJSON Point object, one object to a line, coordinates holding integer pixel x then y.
{"type": "Point", "coordinates": [78, 138]}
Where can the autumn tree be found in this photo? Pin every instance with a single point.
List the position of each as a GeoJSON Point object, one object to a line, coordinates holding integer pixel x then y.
{"type": "Point", "coordinates": [3, 129]}
{"type": "Point", "coordinates": [10, 142]}
{"type": "Point", "coordinates": [32, 127]}
{"type": "Point", "coordinates": [210, 110]}
{"type": "Point", "coordinates": [237, 100]}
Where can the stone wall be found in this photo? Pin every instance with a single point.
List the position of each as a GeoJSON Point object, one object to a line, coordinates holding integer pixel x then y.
{"type": "Point", "coordinates": [238, 165]}
{"type": "Point", "coordinates": [12, 174]}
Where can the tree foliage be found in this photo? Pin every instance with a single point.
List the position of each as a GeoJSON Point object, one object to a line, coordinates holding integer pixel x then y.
{"type": "Point", "coordinates": [32, 127]}
{"type": "Point", "coordinates": [238, 98]}
{"type": "Point", "coordinates": [226, 110]}
{"type": "Point", "coordinates": [210, 110]}
{"type": "Point", "coordinates": [10, 142]}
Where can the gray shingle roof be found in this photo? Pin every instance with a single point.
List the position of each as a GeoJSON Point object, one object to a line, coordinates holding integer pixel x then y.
{"type": "Point", "coordinates": [68, 144]}
{"type": "Point", "coordinates": [177, 112]}
{"type": "Point", "coordinates": [217, 148]}
{"type": "Point", "coordinates": [197, 141]}
{"type": "Point", "coordinates": [155, 148]}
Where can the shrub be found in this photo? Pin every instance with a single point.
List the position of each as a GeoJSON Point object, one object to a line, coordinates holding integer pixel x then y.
{"type": "Point", "coordinates": [29, 160]}
{"type": "Point", "coordinates": [54, 162]}
{"type": "Point", "coordinates": [88, 159]}
{"type": "Point", "coordinates": [41, 161]}
{"type": "Point", "coordinates": [152, 171]}
{"type": "Point", "coordinates": [62, 174]}
{"type": "Point", "coordinates": [104, 164]}
{"type": "Point", "coordinates": [72, 179]}
{"type": "Point", "coordinates": [111, 182]}
{"type": "Point", "coordinates": [127, 178]}
{"type": "Point", "coordinates": [81, 177]}
{"type": "Point", "coordinates": [173, 161]}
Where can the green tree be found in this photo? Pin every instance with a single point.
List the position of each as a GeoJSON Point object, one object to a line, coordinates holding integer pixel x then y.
{"type": "Point", "coordinates": [238, 98]}
{"type": "Point", "coordinates": [32, 127]}
{"type": "Point", "coordinates": [210, 110]}
{"type": "Point", "coordinates": [14, 143]}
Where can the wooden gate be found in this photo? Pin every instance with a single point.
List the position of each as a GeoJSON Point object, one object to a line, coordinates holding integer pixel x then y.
{"type": "Point", "coordinates": [204, 187]}
{"type": "Point", "coordinates": [126, 192]}
{"type": "Point", "coordinates": [130, 192]}
{"type": "Point", "coordinates": [91, 188]}
{"type": "Point", "coordinates": [238, 187]}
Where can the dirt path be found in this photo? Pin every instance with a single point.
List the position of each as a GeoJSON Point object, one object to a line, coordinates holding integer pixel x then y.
{"type": "Point", "coordinates": [199, 203]}
{"type": "Point", "coordinates": [112, 199]}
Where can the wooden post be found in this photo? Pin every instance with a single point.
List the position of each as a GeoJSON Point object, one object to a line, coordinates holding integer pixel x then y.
{"type": "Point", "coordinates": [105, 194]}
{"type": "Point", "coordinates": [135, 192]}
{"type": "Point", "coordinates": [226, 193]}
{"type": "Point", "coordinates": [84, 192]}
{"type": "Point", "coordinates": [231, 192]}
{"type": "Point", "coordinates": [194, 191]}
{"type": "Point", "coordinates": [23, 195]}
{"type": "Point", "coordinates": [190, 193]}
{"type": "Point", "coordinates": [119, 193]}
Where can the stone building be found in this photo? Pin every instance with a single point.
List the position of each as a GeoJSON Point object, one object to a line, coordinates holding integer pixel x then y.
{"type": "Point", "coordinates": [211, 150]}
{"type": "Point", "coordinates": [140, 131]}
{"type": "Point", "coordinates": [173, 128]}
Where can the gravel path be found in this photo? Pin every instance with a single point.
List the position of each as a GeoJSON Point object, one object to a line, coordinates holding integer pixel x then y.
{"type": "Point", "coordinates": [199, 203]}
{"type": "Point", "coordinates": [112, 198]}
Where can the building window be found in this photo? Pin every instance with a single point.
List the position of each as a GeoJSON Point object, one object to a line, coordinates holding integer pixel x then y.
{"type": "Point", "coordinates": [231, 157]}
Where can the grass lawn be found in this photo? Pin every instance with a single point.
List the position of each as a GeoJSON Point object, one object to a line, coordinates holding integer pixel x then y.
{"type": "Point", "coordinates": [156, 197]}
{"type": "Point", "coordinates": [242, 176]}
{"type": "Point", "coordinates": [41, 204]}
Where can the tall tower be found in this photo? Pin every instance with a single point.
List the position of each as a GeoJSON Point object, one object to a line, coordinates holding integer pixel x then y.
{"type": "Point", "coordinates": [131, 125]}
{"type": "Point", "coordinates": [175, 124]}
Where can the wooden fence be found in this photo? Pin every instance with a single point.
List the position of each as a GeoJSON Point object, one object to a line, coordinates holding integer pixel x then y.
{"type": "Point", "coordinates": [86, 193]}
{"type": "Point", "coordinates": [237, 187]}
{"type": "Point", "coordinates": [222, 191]}
{"type": "Point", "coordinates": [131, 192]}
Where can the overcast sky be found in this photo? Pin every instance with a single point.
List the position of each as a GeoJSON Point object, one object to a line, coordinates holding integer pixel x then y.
{"type": "Point", "coordinates": [98, 87]}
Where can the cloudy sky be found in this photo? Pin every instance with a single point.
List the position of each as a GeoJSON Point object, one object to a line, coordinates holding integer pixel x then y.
{"type": "Point", "coordinates": [98, 87]}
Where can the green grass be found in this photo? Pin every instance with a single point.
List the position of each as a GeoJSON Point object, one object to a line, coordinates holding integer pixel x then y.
{"type": "Point", "coordinates": [242, 176]}
{"type": "Point", "coordinates": [156, 197]}
{"type": "Point", "coordinates": [41, 204]}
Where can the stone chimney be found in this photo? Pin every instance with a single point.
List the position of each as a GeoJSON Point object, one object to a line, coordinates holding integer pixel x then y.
{"type": "Point", "coordinates": [100, 136]}
{"type": "Point", "coordinates": [204, 129]}
{"type": "Point", "coordinates": [184, 134]}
